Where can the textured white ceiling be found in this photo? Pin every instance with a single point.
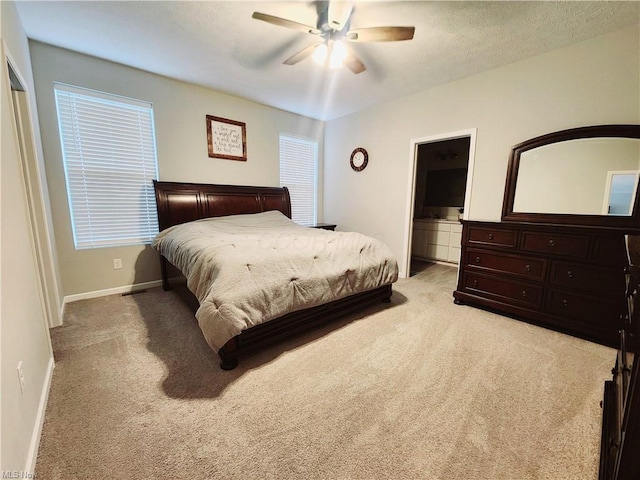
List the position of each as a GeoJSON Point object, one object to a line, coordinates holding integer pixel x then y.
{"type": "Point", "coordinates": [218, 45]}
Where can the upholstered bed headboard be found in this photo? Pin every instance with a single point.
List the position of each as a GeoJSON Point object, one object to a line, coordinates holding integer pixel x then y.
{"type": "Point", "coordinates": [184, 202]}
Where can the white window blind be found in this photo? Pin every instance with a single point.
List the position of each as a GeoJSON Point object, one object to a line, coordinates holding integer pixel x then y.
{"type": "Point", "coordinates": [298, 172]}
{"type": "Point", "coordinates": [109, 154]}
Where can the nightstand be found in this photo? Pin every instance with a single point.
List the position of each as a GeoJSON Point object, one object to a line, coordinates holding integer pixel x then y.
{"type": "Point", "coordinates": [324, 226]}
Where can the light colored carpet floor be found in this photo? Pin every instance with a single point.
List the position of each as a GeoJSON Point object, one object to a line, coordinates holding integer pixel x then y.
{"type": "Point", "coordinates": [417, 389]}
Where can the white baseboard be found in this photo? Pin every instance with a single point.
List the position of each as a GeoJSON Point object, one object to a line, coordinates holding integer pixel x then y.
{"type": "Point", "coordinates": [32, 457]}
{"type": "Point", "coordinates": [62, 309]}
{"type": "Point", "coordinates": [110, 291]}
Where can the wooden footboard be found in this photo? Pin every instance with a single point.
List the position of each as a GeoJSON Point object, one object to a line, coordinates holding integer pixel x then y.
{"type": "Point", "coordinates": [297, 322]}
{"type": "Point", "coordinates": [286, 326]}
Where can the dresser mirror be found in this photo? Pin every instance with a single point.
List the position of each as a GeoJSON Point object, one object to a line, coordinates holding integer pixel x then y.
{"type": "Point", "coordinates": [582, 176]}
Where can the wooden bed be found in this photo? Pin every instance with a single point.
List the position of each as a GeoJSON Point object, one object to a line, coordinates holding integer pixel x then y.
{"type": "Point", "coordinates": [184, 202]}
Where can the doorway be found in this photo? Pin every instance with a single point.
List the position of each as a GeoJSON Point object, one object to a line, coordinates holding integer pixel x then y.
{"type": "Point", "coordinates": [31, 176]}
{"type": "Point", "coordinates": [440, 180]}
{"type": "Point", "coordinates": [619, 192]}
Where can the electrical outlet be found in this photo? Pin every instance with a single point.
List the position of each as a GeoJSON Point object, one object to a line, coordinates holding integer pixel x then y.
{"type": "Point", "coordinates": [21, 377]}
{"type": "Point", "coordinates": [117, 263]}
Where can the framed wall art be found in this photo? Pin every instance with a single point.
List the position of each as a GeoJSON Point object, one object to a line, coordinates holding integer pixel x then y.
{"type": "Point", "coordinates": [226, 138]}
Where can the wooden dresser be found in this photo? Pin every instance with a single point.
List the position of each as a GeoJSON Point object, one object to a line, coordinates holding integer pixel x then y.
{"type": "Point", "coordinates": [570, 279]}
{"type": "Point", "coordinates": [620, 440]}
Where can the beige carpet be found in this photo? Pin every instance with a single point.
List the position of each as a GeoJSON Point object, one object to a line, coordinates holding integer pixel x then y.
{"type": "Point", "coordinates": [418, 389]}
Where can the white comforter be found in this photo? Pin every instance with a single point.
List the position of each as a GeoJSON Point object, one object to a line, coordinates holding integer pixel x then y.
{"type": "Point", "coordinates": [249, 269]}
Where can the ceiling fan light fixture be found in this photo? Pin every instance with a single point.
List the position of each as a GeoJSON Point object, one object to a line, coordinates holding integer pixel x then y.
{"type": "Point", "coordinates": [334, 52]}
{"type": "Point", "coordinates": [320, 54]}
{"type": "Point", "coordinates": [338, 54]}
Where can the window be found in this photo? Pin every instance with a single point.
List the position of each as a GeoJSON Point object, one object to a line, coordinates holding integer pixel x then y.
{"type": "Point", "coordinates": [109, 155]}
{"type": "Point", "coordinates": [298, 172]}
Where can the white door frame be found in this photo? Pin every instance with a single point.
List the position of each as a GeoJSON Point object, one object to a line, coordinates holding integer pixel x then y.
{"type": "Point", "coordinates": [33, 178]}
{"type": "Point", "coordinates": [607, 189]}
{"type": "Point", "coordinates": [411, 185]}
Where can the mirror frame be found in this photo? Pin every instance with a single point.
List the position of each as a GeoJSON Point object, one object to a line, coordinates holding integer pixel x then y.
{"type": "Point", "coordinates": [618, 222]}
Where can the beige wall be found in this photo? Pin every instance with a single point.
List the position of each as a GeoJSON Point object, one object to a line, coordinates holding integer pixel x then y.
{"type": "Point", "coordinates": [592, 82]}
{"type": "Point", "coordinates": [179, 111]}
{"type": "Point", "coordinates": [23, 332]}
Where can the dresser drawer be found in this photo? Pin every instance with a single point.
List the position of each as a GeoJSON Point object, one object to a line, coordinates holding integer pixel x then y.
{"type": "Point", "coordinates": [588, 278]}
{"type": "Point", "coordinates": [609, 250]}
{"type": "Point", "coordinates": [490, 236]}
{"type": "Point", "coordinates": [503, 290]}
{"type": "Point", "coordinates": [584, 308]}
{"type": "Point", "coordinates": [527, 267]}
{"type": "Point", "coordinates": [548, 243]}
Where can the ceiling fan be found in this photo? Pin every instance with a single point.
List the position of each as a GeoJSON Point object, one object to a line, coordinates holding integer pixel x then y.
{"type": "Point", "coordinates": [333, 27]}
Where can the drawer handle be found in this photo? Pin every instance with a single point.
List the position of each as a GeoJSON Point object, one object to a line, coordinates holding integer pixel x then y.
{"type": "Point", "coordinates": [569, 274]}
{"type": "Point", "coordinates": [475, 283]}
{"type": "Point", "coordinates": [552, 243]}
{"type": "Point", "coordinates": [524, 293]}
{"type": "Point", "coordinates": [491, 236]}
{"type": "Point", "coordinates": [528, 268]}
{"type": "Point", "coordinates": [565, 302]}
{"type": "Point", "coordinates": [477, 259]}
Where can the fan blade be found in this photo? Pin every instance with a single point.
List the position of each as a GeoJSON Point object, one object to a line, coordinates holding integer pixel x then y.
{"type": "Point", "coordinates": [339, 13]}
{"type": "Point", "coordinates": [381, 34]}
{"type": "Point", "coordinates": [301, 55]}
{"type": "Point", "coordinates": [353, 63]}
{"type": "Point", "coordinates": [282, 22]}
